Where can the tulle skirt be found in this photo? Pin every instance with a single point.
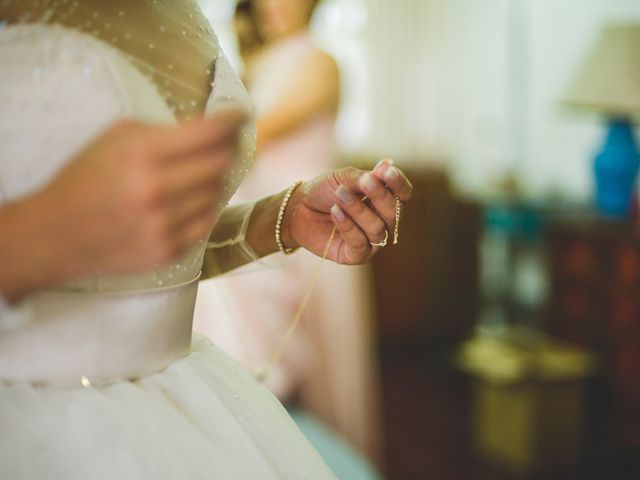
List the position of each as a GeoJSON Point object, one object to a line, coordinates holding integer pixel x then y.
{"type": "Point", "coordinates": [204, 417]}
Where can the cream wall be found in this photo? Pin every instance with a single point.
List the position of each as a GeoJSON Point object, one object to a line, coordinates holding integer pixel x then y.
{"type": "Point", "coordinates": [476, 84]}
{"type": "Point", "coordinates": [472, 84]}
{"type": "Point", "coordinates": [562, 144]}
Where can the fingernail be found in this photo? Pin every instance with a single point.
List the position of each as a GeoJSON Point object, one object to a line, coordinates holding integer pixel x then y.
{"type": "Point", "coordinates": [392, 174]}
{"type": "Point", "coordinates": [337, 212]}
{"type": "Point", "coordinates": [388, 161]}
{"type": "Point", "coordinates": [368, 183]}
{"type": "Point", "coordinates": [345, 195]}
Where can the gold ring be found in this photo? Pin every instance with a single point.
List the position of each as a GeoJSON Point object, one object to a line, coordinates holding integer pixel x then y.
{"type": "Point", "coordinates": [383, 243]}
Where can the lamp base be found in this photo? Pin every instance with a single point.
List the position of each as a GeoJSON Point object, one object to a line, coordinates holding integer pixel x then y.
{"type": "Point", "coordinates": [616, 169]}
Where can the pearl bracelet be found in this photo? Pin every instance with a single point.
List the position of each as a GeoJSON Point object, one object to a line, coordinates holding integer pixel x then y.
{"type": "Point", "coordinates": [283, 207]}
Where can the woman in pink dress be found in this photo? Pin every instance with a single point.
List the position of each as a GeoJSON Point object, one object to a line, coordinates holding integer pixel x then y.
{"type": "Point", "coordinates": [327, 366]}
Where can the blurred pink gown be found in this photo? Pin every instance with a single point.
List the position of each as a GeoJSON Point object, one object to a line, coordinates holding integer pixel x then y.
{"type": "Point", "coordinates": [328, 364]}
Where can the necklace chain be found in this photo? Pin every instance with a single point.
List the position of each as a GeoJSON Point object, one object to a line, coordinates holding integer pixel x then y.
{"type": "Point", "coordinates": [262, 374]}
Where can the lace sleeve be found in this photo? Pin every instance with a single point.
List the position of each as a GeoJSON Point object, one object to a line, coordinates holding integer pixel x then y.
{"type": "Point", "coordinates": [228, 247]}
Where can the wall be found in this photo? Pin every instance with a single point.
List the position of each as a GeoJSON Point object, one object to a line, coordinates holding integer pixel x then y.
{"type": "Point", "coordinates": [472, 84]}
{"type": "Point", "coordinates": [476, 85]}
{"type": "Point", "coordinates": [561, 143]}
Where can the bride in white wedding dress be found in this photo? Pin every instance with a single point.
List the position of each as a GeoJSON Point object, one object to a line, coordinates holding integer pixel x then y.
{"type": "Point", "coordinates": [99, 375]}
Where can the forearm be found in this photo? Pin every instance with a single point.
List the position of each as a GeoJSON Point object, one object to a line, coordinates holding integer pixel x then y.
{"type": "Point", "coordinates": [234, 243]}
{"type": "Point", "coordinates": [285, 121]}
{"type": "Point", "coordinates": [279, 124]}
{"type": "Point", "coordinates": [313, 89]}
{"type": "Point", "coordinates": [261, 231]}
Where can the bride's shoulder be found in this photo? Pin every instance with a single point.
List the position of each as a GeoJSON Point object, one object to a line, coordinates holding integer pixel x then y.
{"type": "Point", "coordinates": [58, 66]}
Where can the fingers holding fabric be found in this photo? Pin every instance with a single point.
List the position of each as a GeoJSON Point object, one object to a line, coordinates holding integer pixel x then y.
{"type": "Point", "coordinates": [195, 136]}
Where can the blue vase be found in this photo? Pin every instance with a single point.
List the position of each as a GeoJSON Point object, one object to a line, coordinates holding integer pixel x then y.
{"type": "Point", "coordinates": [616, 169]}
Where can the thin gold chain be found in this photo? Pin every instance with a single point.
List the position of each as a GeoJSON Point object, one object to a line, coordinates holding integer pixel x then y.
{"type": "Point", "coordinates": [396, 228]}
{"type": "Point", "coordinates": [262, 374]}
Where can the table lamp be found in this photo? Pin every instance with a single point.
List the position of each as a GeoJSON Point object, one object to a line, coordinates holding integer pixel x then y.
{"type": "Point", "coordinates": [609, 83]}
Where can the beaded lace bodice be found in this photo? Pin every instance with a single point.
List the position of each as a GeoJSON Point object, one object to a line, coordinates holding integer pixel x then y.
{"type": "Point", "coordinates": [69, 70]}
{"type": "Point", "coordinates": [169, 41]}
{"type": "Point", "coordinates": [72, 68]}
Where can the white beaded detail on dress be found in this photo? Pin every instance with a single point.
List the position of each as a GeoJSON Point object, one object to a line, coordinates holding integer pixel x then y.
{"type": "Point", "coordinates": [50, 70]}
{"type": "Point", "coordinates": [119, 25]}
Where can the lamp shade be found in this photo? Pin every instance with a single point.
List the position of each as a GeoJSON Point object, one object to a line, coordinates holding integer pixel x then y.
{"type": "Point", "coordinates": [609, 80]}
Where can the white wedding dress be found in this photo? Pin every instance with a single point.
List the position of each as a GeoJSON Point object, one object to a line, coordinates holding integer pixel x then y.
{"type": "Point", "coordinates": [100, 378]}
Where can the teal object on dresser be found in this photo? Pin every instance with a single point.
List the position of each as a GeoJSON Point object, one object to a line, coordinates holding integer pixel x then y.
{"type": "Point", "coordinates": [616, 170]}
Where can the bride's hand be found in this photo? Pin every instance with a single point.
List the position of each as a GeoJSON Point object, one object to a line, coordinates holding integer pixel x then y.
{"type": "Point", "coordinates": [140, 194]}
{"type": "Point", "coordinates": [335, 199]}
{"type": "Point", "coordinates": [137, 196]}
